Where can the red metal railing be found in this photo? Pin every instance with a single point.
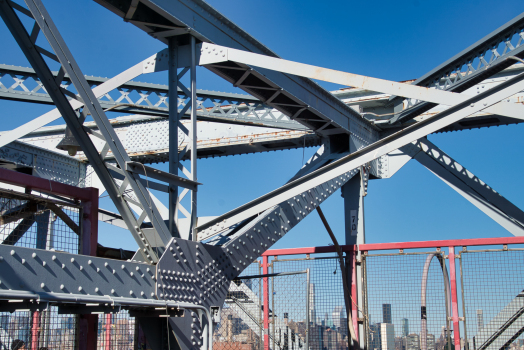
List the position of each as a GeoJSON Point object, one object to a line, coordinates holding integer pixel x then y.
{"type": "Point", "coordinates": [352, 250]}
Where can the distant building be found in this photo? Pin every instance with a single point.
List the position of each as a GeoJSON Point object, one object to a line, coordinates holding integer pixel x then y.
{"type": "Point", "coordinates": [412, 342]}
{"type": "Point", "coordinates": [387, 336]}
{"type": "Point", "coordinates": [312, 311]}
{"type": "Point", "coordinates": [480, 319]}
{"type": "Point", "coordinates": [430, 342]}
{"type": "Point", "coordinates": [338, 315]}
{"type": "Point", "coordinates": [374, 337]}
{"type": "Point", "coordinates": [386, 313]}
{"type": "Point", "coordinates": [405, 327]}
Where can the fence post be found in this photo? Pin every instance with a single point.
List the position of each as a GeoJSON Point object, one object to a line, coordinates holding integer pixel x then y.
{"type": "Point", "coordinates": [454, 299]}
{"type": "Point", "coordinates": [353, 291]}
{"type": "Point", "coordinates": [265, 271]}
{"type": "Point", "coordinates": [88, 324]}
{"type": "Point", "coordinates": [34, 330]}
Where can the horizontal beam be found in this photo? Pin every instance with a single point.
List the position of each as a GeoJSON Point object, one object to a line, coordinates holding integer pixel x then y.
{"type": "Point", "coordinates": [43, 185]}
{"type": "Point", "coordinates": [139, 168]}
{"type": "Point", "coordinates": [442, 243]}
{"type": "Point", "coordinates": [308, 250]}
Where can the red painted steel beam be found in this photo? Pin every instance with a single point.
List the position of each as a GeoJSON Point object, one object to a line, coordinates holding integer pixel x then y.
{"type": "Point", "coordinates": [44, 185]}
{"type": "Point", "coordinates": [443, 243]}
{"type": "Point", "coordinates": [454, 299]}
{"type": "Point", "coordinates": [265, 271]}
{"type": "Point", "coordinates": [308, 250]}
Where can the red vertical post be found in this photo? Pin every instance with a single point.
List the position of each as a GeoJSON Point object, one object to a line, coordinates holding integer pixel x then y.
{"type": "Point", "coordinates": [354, 296]}
{"type": "Point", "coordinates": [108, 332]}
{"type": "Point", "coordinates": [88, 324]}
{"type": "Point", "coordinates": [35, 330]}
{"type": "Point", "coordinates": [265, 269]}
{"type": "Point", "coordinates": [454, 299]}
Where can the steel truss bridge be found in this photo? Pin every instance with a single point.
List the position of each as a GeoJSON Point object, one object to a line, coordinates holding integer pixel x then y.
{"type": "Point", "coordinates": [185, 264]}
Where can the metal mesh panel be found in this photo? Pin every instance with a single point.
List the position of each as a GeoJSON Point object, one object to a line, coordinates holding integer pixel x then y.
{"type": "Point", "coordinates": [241, 319]}
{"type": "Point", "coordinates": [492, 284]}
{"type": "Point", "coordinates": [116, 331]}
{"type": "Point", "coordinates": [395, 314]}
{"type": "Point", "coordinates": [326, 310]}
{"type": "Point", "coordinates": [30, 223]}
{"type": "Point", "coordinates": [57, 331]}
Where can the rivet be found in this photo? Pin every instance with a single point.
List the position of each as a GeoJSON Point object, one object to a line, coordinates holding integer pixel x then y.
{"type": "Point", "coordinates": [12, 252]}
{"type": "Point", "coordinates": [80, 288]}
{"type": "Point", "coordinates": [61, 286]}
{"type": "Point", "coordinates": [53, 257]}
{"type": "Point", "coordinates": [112, 291]}
{"type": "Point", "coordinates": [72, 260]}
{"type": "Point", "coordinates": [42, 285]}
{"type": "Point", "coordinates": [33, 255]}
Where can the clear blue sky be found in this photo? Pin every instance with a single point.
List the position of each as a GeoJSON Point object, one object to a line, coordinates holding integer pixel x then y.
{"type": "Point", "coordinates": [394, 40]}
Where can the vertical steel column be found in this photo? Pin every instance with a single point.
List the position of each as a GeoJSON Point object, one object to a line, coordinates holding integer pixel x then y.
{"type": "Point", "coordinates": [34, 330]}
{"type": "Point", "coordinates": [352, 192]}
{"type": "Point", "coordinates": [193, 140]}
{"type": "Point", "coordinates": [266, 301]}
{"type": "Point", "coordinates": [88, 323]}
{"type": "Point", "coordinates": [173, 133]}
{"type": "Point", "coordinates": [454, 299]}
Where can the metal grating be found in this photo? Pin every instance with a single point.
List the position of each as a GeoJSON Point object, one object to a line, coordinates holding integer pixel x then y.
{"type": "Point", "coordinates": [492, 284]}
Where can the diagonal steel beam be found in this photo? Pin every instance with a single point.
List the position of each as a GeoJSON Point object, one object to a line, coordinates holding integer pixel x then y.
{"type": "Point", "coordinates": [208, 58]}
{"type": "Point", "coordinates": [367, 154]}
{"type": "Point", "coordinates": [469, 186]}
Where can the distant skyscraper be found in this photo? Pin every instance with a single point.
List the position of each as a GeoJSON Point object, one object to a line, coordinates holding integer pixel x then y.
{"type": "Point", "coordinates": [405, 327]}
{"type": "Point", "coordinates": [387, 336]}
{"type": "Point", "coordinates": [338, 315]}
{"type": "Point", "coordinates": [386, 313]}
{"type": "Point", "coordinates": [312, 311]}
{"type": "Point", "coordinates": [374, 337]}
{"type": "Point", "coordinates": [480, 319]}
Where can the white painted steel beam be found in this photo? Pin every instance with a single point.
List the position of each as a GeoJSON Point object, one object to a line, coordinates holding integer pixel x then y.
{"type": "Point", "coordinates": [214, 54]}
{"type": "Point", "coordinates": [384, 146]}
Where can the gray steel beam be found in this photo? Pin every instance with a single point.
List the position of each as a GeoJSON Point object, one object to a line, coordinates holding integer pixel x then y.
{"type": "Point", "coordinates": [310, 101]}
{"type": "Point", "coordinates": [469, 186]}
{"type": "Point", "coordinates": [216, 139]}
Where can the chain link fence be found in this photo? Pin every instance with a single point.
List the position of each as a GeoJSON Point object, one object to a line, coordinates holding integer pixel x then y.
{"type": "Point", "coordinates": [405, 301]}
{"type": "Point", "coordinates": [493, 299]}
{"type": "Point", "coordinates": [32, 221]}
